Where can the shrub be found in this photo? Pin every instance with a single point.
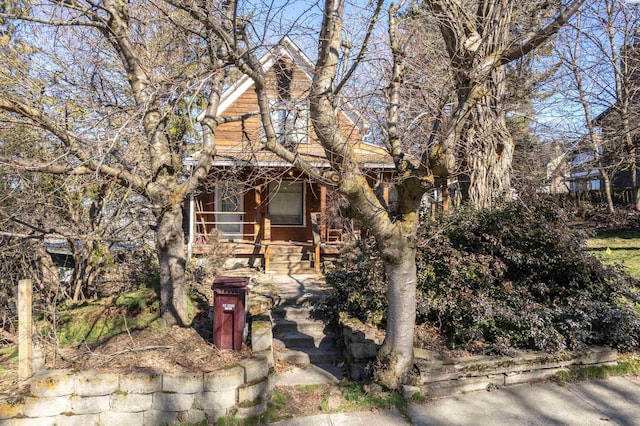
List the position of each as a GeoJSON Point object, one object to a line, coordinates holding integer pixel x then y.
{"type": "Point", "coordinates": [514, 277]}
{"type": "Point", "coordinates": [358, 285]}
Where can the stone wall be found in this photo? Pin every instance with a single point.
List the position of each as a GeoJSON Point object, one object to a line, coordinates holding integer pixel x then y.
{"type": "Point", "coordinates": [440, 375]}
{"type": "Point", "coordinates": [66, 397]}
{"type": "Point", "coordinates": [360, 346]}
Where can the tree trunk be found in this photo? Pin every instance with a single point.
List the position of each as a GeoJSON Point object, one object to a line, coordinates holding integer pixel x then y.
{"type": "Point", "coordinates": [170, 251]}
{"type": "Point", "coordinates": [634, 176]}
{"type": "Point", "coordinates": [81, 257]}
{"type": "Point", "coordinates": [607, 191]}
{"type": "Point", "coordinates": [396, 354]}
{"type": "Point", "coordinates": [489, 146]}
{"type": "Point", "coordinates": [50, 278]}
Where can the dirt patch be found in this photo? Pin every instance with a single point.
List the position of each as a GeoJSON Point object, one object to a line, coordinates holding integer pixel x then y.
{"type": "Point", "coordinates": [425, 337]}
{"type": "Point", "coordinates": [291, 402]}
{"type": "Point", "coordinates": [172, 350]}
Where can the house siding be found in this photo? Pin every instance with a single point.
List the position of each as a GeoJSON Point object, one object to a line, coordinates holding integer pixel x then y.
{"type": "Point", "coordinates": [241, 157]}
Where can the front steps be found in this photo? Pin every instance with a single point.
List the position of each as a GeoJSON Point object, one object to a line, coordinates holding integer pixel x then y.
{"type": "Point", "coordinates": [305, 348]}
{"type": "Point", "coordinates": [284, 259]}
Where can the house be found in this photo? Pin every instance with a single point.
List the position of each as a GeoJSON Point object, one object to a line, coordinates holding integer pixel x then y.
{"type": "Point", "coordinates": [264, 210]}
{"type": "Point", "coordinates": [607, 153]}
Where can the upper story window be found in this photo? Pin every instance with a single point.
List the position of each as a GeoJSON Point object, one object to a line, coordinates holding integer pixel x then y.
{"type": "Point", "coordinates": [290, 120]}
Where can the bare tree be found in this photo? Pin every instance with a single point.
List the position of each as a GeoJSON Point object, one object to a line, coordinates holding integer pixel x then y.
{"type": "Point", "coordinates": [591, 144]}
{"type": "Point", "coordinates": [600, 69]}
{"type": "Point", "coordinates": [619, 22]}
{"type": "Point", "coordinates": [482, 37]}
{"type": "Point", "coordinates": [109, 88]}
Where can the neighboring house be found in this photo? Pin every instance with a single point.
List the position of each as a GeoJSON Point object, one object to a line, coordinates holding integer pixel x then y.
{"type": "Point", "coordinates": [584, 172]}
{"type": "Point", "coordinates": [256, 203]}
{"type": "Point", "coordinates": [583, 175]}
{"type": "Point", "coordinates": [577, 173]}
{"type": "Point", "coordinates": [612, 138]}
{"type": "Point", "coordinates": [556, 172]}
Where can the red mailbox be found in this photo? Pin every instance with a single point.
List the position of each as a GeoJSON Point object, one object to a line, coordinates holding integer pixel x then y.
{"type": "Point", "coordinates": [229, 302]}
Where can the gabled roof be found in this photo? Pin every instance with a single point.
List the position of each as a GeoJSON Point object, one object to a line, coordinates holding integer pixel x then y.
{"type": "Point", "coordinates": [284, 48]}
{"type": "Point", "coordinates": [369, 155]}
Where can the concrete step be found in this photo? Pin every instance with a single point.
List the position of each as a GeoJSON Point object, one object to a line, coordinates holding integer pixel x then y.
{"type": "Point", "coordinates": [296, 339]}
{"type": "Point", "coordinates": [291, 271]}
{"type": "Point", "coordinates": [312, 328]}
{"type": "Point", "coordinates": [293, 312]}
{"type": "Point", "coordinates": [310, 374]}
{"type": "Point", "coordinates": [286, 257]}
{"type": "Point", "coordinates": [291, 267]}
{"type": "Point", "coordinates": [304, 298]}
{"type": "Point", "coordinates": [309, 355]}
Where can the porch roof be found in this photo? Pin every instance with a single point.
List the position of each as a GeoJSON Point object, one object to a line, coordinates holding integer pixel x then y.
{"type": "Point", "coordinates": [368, 156]}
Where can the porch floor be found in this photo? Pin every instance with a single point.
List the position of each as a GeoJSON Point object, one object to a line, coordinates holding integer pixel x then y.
{"type": "Point", "coordinates": [248, 248]}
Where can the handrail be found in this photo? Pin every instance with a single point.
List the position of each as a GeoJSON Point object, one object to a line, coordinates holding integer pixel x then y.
{"type": "Point", "coordinates": [217, 212]}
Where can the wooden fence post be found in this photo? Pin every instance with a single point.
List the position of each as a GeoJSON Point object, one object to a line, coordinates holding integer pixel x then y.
{"type": "Point", "coordinates": [25, 327]}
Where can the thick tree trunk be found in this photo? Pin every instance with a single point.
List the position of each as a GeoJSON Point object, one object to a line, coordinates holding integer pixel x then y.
{"type": "Point", "coordinates": [396, 354]}
{"type": "Point", "coordinates": [170, 251]}
{"type": "Point", "coordinates": [489, 147]}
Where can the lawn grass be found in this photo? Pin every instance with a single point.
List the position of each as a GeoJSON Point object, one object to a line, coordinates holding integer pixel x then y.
{"type": "Point", "coordinates": [628, 364]}
{"type": "Point", "coordinates": [617, 248]}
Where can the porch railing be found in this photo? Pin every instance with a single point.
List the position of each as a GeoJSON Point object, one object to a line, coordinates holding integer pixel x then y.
{"type": "Point", "coordinates": [206, 221]}
{"type": "Point", "coordinates": [255, 228]}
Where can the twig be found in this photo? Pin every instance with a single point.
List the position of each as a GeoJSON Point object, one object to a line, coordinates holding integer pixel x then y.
{"type": "Point", "coordinates": [145, 348]}
{"type": "Point", "coordinates": [7, 337]}
{"type": "Point", "coordinates": [111, 356]}
{"type": "Point", "coordinates": [124, 317]}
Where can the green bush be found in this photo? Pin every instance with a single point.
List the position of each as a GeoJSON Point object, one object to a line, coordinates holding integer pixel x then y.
{"type": "Point", "coordinates": [358, 285]}
{"type": "Point", "coordinates": [514, 277]}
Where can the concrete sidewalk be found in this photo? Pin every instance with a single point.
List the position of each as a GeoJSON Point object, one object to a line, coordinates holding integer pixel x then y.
{"type": "Point", "coordinates": [614, 401]}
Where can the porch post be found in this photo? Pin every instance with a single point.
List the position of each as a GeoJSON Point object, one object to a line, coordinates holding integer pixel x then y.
{"type": "Point", "coordinates": [258, 216]}
{"type": "Point", "coordinates": [323, 213]}
{"type": "Point", "coordinates": [317, 255]}
{"type": "Point", "coordinates": [266, 240]}
{"type": "Point", "coordinates": [192, 215]}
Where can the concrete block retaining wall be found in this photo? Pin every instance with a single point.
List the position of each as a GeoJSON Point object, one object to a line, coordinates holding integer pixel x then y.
{"type": "Point", "coordinates": [66, 397]}
{"type": "Point", "coordinates": [440, 376]}
{"type": "Point", "coordinates": [360, 346]}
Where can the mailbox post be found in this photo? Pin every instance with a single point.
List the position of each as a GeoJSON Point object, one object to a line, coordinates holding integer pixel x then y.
{"type": "Point", "coordinates": [229, 311]}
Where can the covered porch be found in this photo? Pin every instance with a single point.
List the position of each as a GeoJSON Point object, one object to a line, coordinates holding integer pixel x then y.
{"type": "Point", "coordinates": [283, 225]}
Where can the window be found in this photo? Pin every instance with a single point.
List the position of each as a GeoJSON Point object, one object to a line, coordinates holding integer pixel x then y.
{"type": "Point", "coordinates": [229, 205]}
{"type": "Point", "coordinates": [594, 185]}
{"type": "Point", "coordinates": [290, 121]}
{"type": "Point", "coordinates": [286, 203]}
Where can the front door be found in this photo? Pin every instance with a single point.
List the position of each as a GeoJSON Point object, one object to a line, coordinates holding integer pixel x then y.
{"type": "Point", "coordinates": [229, 211]}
